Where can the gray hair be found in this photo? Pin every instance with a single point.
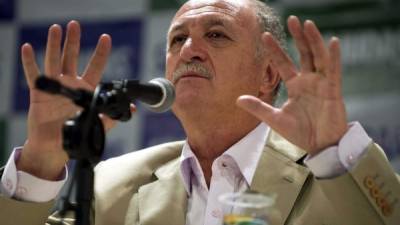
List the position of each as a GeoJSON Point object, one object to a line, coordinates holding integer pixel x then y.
{"type": "Point", "coordinates": [269, 21]}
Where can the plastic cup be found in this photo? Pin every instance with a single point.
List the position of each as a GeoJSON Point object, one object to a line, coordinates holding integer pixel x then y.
{"type": "Point", "coordinates": [246, 208]}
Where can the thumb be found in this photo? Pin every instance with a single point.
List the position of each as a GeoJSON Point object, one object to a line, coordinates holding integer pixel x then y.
{"type": "Point", "coordinates": [258, 108]}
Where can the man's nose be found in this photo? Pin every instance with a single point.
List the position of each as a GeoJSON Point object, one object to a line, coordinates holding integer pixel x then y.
{"type": "Point", "coordinates": [192, 50]}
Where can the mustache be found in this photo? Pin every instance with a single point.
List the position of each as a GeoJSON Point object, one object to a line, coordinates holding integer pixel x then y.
{"type": "Point", "coordinates": [193, 67]}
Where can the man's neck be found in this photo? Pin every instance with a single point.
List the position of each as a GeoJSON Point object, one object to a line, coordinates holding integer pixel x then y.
{"type": "Point", "coordinates": [210, 138]}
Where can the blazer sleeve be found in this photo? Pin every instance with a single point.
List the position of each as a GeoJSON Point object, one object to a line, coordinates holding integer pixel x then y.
{"type": "Point", "coordinates": [14, 212]}
{"type": "Point", "coordinates": [18, 212]}
{"type": "Point", "coordinates": [370, 189]}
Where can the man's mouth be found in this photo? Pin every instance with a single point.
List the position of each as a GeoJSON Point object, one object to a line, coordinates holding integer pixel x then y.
{"type": "Point", "coordinates": [190, 76]}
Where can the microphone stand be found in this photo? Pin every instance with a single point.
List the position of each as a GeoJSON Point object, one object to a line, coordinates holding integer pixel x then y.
{"type": "Point", "coordinates": [84, 137]}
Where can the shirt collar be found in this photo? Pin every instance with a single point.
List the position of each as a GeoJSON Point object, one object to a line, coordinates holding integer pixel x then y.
{"type": "Point", "coordinates": [246, 153]}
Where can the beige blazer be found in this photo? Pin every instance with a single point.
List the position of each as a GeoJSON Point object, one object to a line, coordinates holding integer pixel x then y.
{"type": "Point", "coordinates": [145, 188]}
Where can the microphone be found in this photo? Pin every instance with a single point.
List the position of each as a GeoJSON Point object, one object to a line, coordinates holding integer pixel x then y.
{"type": "Point", "coordinates": [157, 95]}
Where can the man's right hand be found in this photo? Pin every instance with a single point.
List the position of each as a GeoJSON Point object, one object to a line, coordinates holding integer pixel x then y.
{"type": "Point", "coordinates": [43, 155]}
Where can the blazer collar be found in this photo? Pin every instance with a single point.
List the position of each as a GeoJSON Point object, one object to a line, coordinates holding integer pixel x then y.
{"type": "Point", "coordinates": [278, 174]}
{"type": "Point", "coordinates": [164, 201]}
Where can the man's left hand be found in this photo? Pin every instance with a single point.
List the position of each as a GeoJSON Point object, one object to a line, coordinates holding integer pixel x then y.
{"type": "Point", "coordinates": [314, 115]}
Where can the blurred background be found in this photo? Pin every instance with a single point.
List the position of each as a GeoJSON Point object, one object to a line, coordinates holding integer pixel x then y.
{"type": "Point", "coordinates": [369, 31]}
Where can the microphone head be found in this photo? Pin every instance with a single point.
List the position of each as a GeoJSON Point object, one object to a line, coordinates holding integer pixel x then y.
{"type": "Point", "coordinates": [168, 98]}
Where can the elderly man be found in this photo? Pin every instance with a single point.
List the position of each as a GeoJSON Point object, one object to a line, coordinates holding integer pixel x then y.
{"type": "Point", "coordinates": [226, 60]}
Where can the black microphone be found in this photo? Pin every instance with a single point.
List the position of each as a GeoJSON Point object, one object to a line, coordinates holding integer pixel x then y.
{"type": "Point", "coordinates": [157, 95]}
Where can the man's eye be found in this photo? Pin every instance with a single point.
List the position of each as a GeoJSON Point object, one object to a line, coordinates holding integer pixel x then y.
{"type": "Point", "coordinates": [216, 35]}
{"type": "Point", "coordinates": [178, 39]}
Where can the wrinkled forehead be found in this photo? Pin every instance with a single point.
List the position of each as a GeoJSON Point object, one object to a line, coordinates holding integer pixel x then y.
{"type": "Point", "coordinates": [237, 9]}
{"type": "Point", "coordinates": [223, 6]}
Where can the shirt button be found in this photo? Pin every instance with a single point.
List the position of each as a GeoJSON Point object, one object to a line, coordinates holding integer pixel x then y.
{"type": "Point", "coordinates": [21, 191]}
{"type": "Point", "coordinates": [350, 159]}
{"type": "Point", "coordinates": [9, 184]}
{"type": "Point", "coordinates": [216, 213]}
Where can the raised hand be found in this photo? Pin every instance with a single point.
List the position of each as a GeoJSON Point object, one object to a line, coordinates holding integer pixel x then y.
{"type": "Point", "coordinates": [314, 116]}
{"type": "Point", "coordinates": [42, 154]}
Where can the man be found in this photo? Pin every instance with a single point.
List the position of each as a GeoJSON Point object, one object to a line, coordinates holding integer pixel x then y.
{"type": "Point", "coordinates": [226, 60]}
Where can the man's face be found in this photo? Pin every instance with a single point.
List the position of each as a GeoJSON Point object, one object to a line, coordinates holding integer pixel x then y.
{"type": "Point", "coordinates": [211, 55]}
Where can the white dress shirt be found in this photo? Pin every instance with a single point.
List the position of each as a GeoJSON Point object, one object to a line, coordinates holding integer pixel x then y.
{"type": "Point", "coordinates": [231, 172]}
{"type": "Point", "coordinates": [234, 170]}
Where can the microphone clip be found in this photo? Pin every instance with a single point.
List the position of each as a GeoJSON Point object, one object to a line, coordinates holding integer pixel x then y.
{"type": "Point", "coordinates": [112, 98]}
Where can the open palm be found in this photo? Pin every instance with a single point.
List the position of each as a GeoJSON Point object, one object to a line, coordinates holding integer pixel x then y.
{"type": "Point", "coordinates": [314, 116]}
{"type": "Point", "coordinates": [48, 112]}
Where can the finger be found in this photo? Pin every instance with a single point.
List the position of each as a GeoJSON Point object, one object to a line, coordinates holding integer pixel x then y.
{"type": "Point", "coordinates": [258, 108]}
{"type": "Point", "coordinates": [133, 108]}
{"type": "Point", "coordinates": [31, 69]}
{"type": "Point", "coordinates": [53, 51]}
{"type": "Point", "coordinates": [335, 67]}
{"type": "Point", "coordinates": [71, 49]}
{"type": "Point", "coordinates": [317, 45]}
{"type": "Point", "coordinates": [280, 59]}
{"type": "Point", "coordinates": [98, 61]}
{"type": "Point", "coordinates": [107, 122]}
{"type": "Point", "coordinates": [306, 59]}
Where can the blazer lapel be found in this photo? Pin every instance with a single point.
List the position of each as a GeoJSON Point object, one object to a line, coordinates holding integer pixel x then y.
{"type": "Point", "coordinates": [163, 201]}
{"type": "Point", "coordinates": [278, 173]}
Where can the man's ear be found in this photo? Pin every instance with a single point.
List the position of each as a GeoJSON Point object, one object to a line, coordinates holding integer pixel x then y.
{"type": "Point", "coordinates": [270, 82]}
